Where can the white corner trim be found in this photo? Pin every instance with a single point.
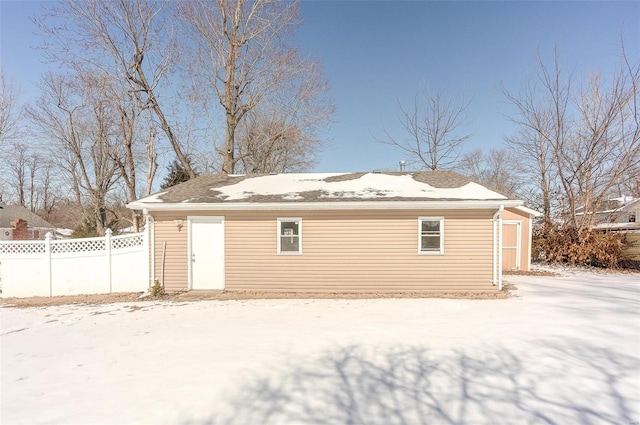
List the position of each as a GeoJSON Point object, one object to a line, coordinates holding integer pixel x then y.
{"type": "Point", "coordinates": [497, 247]}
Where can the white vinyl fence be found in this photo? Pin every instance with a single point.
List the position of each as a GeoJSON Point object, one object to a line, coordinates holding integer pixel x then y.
{"type": "Point", "coordinates": [74, 266]}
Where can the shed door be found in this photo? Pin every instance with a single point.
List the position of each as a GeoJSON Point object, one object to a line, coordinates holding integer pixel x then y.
{"type": "Point", "coordinates": [511, 245]}
{"type": "Point", "coordinates": [206, 253]}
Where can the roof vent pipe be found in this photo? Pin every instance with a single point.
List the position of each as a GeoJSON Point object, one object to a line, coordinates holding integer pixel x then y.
{"type": "Point", "coordinates": [402, 166]}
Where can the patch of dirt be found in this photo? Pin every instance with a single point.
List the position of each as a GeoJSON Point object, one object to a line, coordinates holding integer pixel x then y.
{"type": "Point", "coordinates": [250, 295]}
{"type": "Point", "coordinates": [190, 296]}
{"type": "Point", "coordinates": [70, 299]}
{"type": "Point", "coordinates": [529, 273]}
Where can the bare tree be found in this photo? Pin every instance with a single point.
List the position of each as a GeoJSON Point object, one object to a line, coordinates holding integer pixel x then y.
{"type": "Point", "coordinates": [587, 139]}
{"type": "Point", "coordinates": [48, 197]}
{"type": "Point", "coordinates": [17, 172]}
{"type": "Point", "coordinates": [130, 40]}
{"type": "Point", "coordinates": [269, 145]}
{"type": "Point", "coordinates": [125, 152]}
{"type": "Point", "coordinates": [28, 177]}
{"type": "Point", "coordinates": [432, 129]}
{"type": "Point", "coordinates": [630, 184]}
{"type": "Point", "coordinates": [281, 134]}
{"type": "Point", "coordinates": [242, 55]}
{"type": "Point", "coordinates": [539, 121]}
{"type": "Point", "coordinates": [495, 170]}
{"type": "Point", "coordinates": [606, 144]}
{"type": "Point", "coordinates": [8, 110]}
{"type": "Point", "coordinates": [79, 123]}
{"type": "Point", "coordinates": [8, 128]}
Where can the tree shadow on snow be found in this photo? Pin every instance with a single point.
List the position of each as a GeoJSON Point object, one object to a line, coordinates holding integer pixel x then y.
{"type": "Point", "coordinates": [557, 382]}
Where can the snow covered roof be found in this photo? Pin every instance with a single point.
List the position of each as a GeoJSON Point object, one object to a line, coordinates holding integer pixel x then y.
{"type": "Point", "coordinates": [618, 226]}
{"type": "Point", "coordinates": [615, 205]}
{"type": "Point", "coordinates": [320, 188]}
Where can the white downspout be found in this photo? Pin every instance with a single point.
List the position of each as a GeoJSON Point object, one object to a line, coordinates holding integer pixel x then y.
{"type": "Point", "coordinates": [497, 248]}
{"type": "Point", "coordinates": [152, 248]}
{"type": "Point", "coordinates": [530, 242]}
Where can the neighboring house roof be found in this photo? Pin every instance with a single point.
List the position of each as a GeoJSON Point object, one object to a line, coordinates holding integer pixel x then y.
{"type": "Point", "coordinates": [323, 191]}
{"type": "Point", "coordinates": [8, 213]}
{"type": "Point", "coordinates": [632, 205]}
{"type": "Point", "coordinates": [615, 205]}
{"type": "Point", "coordinates": [618, 226]}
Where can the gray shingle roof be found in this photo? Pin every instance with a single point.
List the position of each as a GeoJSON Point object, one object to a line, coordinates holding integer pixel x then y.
{"type": "Point", "coordinates": [8, 213]}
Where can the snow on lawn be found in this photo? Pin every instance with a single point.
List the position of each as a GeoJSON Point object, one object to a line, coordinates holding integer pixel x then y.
{"type": "Point", "coordinates": [566, 350]}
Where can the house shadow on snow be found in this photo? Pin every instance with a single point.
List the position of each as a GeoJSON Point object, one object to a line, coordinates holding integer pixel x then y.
{"type": "Point", "coordinates": [556, 382]}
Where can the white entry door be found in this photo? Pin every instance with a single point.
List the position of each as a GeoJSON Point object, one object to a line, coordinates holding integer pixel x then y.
{"type": "Point", "coordinates": [206, 252]}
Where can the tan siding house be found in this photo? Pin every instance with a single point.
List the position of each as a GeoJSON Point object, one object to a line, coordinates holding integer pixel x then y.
{"type": "Point", "coordinates": [333, 233]}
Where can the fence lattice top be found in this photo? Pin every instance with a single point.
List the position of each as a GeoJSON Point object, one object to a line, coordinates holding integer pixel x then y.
{"type": "Point", "coordinates": [79, 245]}
{"type": "Point", "coordinates": [69, 246]}
{"type": "Point", "coordinates": [127, 241]}
{"type": "Point", "coordinates": [23, 247]}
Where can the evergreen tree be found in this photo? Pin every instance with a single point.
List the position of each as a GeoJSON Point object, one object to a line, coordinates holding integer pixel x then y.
{"type": "Point", "coordinates": [177, 174]}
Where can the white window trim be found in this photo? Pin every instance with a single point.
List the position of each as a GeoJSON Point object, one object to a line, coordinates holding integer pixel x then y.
{"type": "Point", "coordinates": [441, 250]}
{"type": "Point", "coordinates": [279, 235]}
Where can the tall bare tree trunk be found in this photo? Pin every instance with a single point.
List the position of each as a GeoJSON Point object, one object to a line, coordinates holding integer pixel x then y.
{"type": "Point", "coordinates": [240, 44]}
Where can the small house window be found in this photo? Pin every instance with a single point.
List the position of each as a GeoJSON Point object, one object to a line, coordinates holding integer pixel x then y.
{"type": "Point", "coordinates": [431, 237]}
{"type": "Point", "coordinates": [289, 236]}
{"type": "Point", "coordinates": [632, 218]}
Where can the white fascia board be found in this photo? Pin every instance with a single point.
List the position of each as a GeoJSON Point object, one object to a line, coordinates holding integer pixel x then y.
{"type": "Point", "coordinates": [305, 206]}
{"type": "Point", "coordinates": [528, 211]}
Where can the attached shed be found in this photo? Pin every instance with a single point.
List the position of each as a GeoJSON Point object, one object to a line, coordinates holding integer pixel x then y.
{"type": "Point", "coordinates": [391, 232]}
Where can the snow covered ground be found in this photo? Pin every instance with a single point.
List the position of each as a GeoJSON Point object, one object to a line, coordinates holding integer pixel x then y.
{"type": "Point", "coordinates": [566, 350]}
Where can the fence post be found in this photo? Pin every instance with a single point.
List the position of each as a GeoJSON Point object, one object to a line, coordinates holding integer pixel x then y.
{"type": "Point", "coordinates": [107, 245]}
{"type": "Point", "coordinates": [47, 250]}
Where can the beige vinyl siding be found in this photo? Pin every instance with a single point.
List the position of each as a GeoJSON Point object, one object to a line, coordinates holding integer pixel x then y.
{"type": "Point", "coordinates": [358, 251]}
{"type": "Point", "coordinates": [513, 214]}
{"type": "Point", "coordinates": [175, 262]}
{"type": "Point", "coordinates": [342, 251]}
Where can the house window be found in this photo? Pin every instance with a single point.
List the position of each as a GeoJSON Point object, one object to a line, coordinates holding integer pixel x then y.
{"type": "Point", "coordinates": [431, 237]}
{"type": "Point", "coordinates": [290, 236]}
{"type": "Point", "coordinates": [632, 218]}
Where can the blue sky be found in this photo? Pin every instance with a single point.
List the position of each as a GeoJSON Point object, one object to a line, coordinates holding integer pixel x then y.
{"type": "Point", "coordinates": [377, 53]}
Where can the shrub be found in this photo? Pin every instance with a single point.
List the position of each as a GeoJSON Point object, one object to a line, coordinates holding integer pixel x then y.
{"type": "Point", "coordinates": [567, 245]}
{"type": "Point", "coordinates": [157, 290]}
{"type": "Point", "coordinates": [85, 230]}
